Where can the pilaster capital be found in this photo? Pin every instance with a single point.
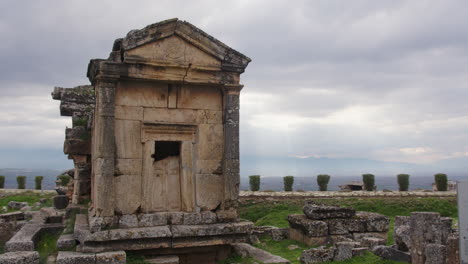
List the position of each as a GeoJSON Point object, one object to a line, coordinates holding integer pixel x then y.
{"type": "Point", "coordinates": [233, 89]}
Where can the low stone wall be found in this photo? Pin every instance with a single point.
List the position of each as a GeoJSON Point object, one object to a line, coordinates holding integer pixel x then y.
{"type": "Point", "coordinates": [334, 194]}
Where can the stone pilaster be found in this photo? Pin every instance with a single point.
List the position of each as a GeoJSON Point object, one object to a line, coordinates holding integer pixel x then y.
{"type": "Point", "coordinates": [231, 145]}
{"type": "Point", "coordinates": [104, 147]}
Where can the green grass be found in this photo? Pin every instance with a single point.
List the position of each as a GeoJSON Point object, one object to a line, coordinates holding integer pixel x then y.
{"type": "Point", "coordinates": [30, 197]}
{"type": "Point", "coordinates": [275, 213]}
{"type": "Point", "coordinates": [47, 246]}
{"type": "Point", "coordinates": [280, 248]}
{"type": "Point", "coordinates": [135, 259]}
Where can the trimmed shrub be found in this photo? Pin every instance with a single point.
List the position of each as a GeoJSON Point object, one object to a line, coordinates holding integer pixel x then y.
{"type": "Point", "coordinates": [403, 182]}
{"type": "Point", "coordinates": [38, 181]}
{"type": "Point", "coordinates": [254, 181]}
{"type": "Point", "coordinates": [322, 181]}
{"type": "Point", "coordinates": [369, 182]}
{"type": "Point", "coordinates": [441, 182]}
{"type": "Point", "coordinates": [21, 180]}
{"type": "Point", "coordinates": [63, 179]}
{"type": "Point", "coordinates": [288, 182]}
{"type": "Point", "coordinates": [2, 181]}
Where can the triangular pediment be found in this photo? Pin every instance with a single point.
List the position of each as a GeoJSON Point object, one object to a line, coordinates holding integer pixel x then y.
{"type": "Point", "coordinates": [178, 38]}
{"type": "Point", "coordinates": [173, 50]}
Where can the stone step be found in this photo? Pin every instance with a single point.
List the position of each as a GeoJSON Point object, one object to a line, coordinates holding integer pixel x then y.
{"type": "Point", "coordinates": [163, 260]}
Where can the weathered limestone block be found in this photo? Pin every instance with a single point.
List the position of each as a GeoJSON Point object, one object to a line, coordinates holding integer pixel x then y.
{"type": "Point", "coordinates": [342, 226]}
{"type": "Point", "coordinates": [391, 253]}
{"type": "Point", "coordinates": [200, 97]}
{"type": "Point", "coordinates": [278, 234]}
{"type": "Point", "coordinates": [77, 147]}
{"type": "Point", "coordinates": [426, 228]}
{"type": "Point", "coordinates": [298, 235]}
{"type": "Point", "coordinates": [374, 222]}
{"type": "Point", "coordinates": [453, 248]}
{"type": "Point", "coordinates": [16, 205]}
{"type": "Point", "coordinates": [360, 236]}
{"type": "Point", "coordinates": [127, 192]}
{"type": "Point", "coordinates": [208, 217]}
{"type": "Point", "coordinates": [359, 251]}
{"type": "Point", "coordinates": [319, 212]}
{"type": "Point", "coordinates": [128, 139]}
{"type": "Point", "coordinates": [402, 220]}
{"type": "Point", "coordinates": [23, 257]}
{"type": "Point", "coordinates": [246, 250]}
{"type": "Point", "coordinates": [435, 254]}
{"type": "Point", "coordinates": [311, 228]}
{"type": "Point", "coordinates": [14, 216]}
{"type": "Point", "coordinates": [192, 219]}
{"type": "Point", "coordinates": [155, 219]}
{"type": "Point", "coordinates": [333, 239]}
{"type": "Point", "coordinates": [208, 167]}
{"type": "Point", "coordinates": [128, 221]}
{"type": "Point", "coordinates": [227, 216]}
{"type": "Point", "coordinates": [211, 230]}
{"type": "Point", "coordinates": [114, 257]}
{"type": "Point", "coordinates": [176, 218]}
{"type": "Point", "coordinates": [129, 112]}
{"type": "Point", "coordinates": [210, 141]}
{"type": "Point", "coordinates": [170, 116]}
{"type": "Point", "coordinates": [402, 237]}
{"type": "Point", "coordinates": [210, 117]}
{"type": "Point", "coordinates": [128, 167]}
{"type": "Point", "coordinates": [208, 191]}
{"type": "Point", "coordinates": [371, 242]}
{"type": "Point", "coordinates": [344, 250]}
{"type": "Point", "coordinates": [71, 257]}
{"type": "Point", "coordinates": [66, 242]}
{"type": "Point", "coordinates": [141, 94]}
{"type": "Point", "coordinates": [317, 255]}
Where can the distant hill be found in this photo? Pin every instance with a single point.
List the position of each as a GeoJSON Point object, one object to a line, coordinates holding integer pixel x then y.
{"type": "Point", "coordinates": [48, 182]}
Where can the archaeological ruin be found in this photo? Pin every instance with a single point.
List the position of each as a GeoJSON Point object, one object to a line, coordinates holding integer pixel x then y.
{"type": "Point", "coordinates": [155, 143]}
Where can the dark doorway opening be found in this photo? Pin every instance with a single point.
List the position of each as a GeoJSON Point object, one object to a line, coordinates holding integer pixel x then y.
{"type": "Point", "coordinates": [164, 149]}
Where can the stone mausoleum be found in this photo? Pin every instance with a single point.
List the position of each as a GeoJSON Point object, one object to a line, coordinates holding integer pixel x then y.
{"type": "Point", "coordinates": [163, 146]}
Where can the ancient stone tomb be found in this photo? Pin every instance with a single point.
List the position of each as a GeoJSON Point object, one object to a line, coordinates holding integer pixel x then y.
{"type": "Point", "coordinates": [164, 142]}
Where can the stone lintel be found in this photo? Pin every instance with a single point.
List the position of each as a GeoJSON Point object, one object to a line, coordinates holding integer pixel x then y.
{"type": "Point", "coordinates": [101, 69]}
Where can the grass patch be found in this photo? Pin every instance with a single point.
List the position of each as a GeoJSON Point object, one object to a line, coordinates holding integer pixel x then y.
{"type": "Point", "coordinates": [275, 213]}
{"type": "Point", "coordinates": [47, 246]}
{"type": "Point", "coordinates": [135, 259]}
{"type": "Point", "coordinates": [280, 248]}
{"type": "Point", "coordinates": [30, 197]}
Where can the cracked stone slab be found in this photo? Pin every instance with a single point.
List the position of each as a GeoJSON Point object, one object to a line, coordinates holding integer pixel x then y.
{"type": "Point", "coordinates": [23, 257]}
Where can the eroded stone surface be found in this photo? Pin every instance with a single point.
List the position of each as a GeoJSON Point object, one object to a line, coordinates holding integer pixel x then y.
{"type": "Point", "coordinates": [312, 228]}
{"type": "Point", "coordinates": [246, 250]}
{"type": "Point", "coordinates": [319, 212]}
{"type": "Point", "coordinates": [391, 253]}
{"type": "Point", "coordinates": [317, 255]}
{"type": "Point", "coordinates": [344, 250]}
{"type": "Point", "coordinates": [23, 257]}
{"type": "Point", "coordinates": [70, 257]}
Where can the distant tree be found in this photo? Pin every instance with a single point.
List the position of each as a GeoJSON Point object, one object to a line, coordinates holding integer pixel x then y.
{"type": "Point", "coordinates": [64, 179]}
{"type": "Point", "coordinates": [369, 182]}
{"type": "Point", "coordinates": [2, 181]}
{"type": "Point", "coordinates": [254, 181]}
{"type": "Point", "coordinates": [288, 182]}
{"type": "Point", "coordinates": [403, 182]}
{"type": "Point", "coordinates": [322, 181]}
{"type": "Point", "coordinates": [38, 181]}
{"type": "Point", "coordinates": [21, 180]}
{"type": "Point", "coordinates": [441, 182]}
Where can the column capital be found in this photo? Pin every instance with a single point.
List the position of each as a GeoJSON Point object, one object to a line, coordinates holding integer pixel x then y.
{"type": "Point", "coordinates": [233, 89]}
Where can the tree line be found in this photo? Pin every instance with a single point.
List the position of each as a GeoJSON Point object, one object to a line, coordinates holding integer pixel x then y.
{"type": "Point", "coordinates": [441, 181]}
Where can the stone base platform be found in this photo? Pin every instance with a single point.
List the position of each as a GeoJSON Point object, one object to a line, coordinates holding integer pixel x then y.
{"type": "Point", "coordinates": [331, 231]}
{"type": "Point", "coordinates": [157, 238]}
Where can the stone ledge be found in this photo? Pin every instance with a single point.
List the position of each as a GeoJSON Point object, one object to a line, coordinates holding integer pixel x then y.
{"type": "Point", "coordinates": [26, 238]}
{"type": "Point", "coordinates": [27, 257]}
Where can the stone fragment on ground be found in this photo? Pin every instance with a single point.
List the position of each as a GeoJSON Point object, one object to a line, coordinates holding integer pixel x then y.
{"type": "Point", "coordinates": [14, 205]}
{"type": "Point", "coordinates": [20, 257]}
{"type": "Point", "coordinates": [246, 250]}
{"type": "Point", "coordinates": [391, 253]}
{"type": "Point", "coordinates": [319, 212]}
{"type": "Point", "coordinates": [317, 255]}
{"type": "Point", "coordinates": [371, 242]}
{"type": "Point", "coordinates": [435, 254]}
{"type": "Point", "coordinates": [66, 242]}
{"type": "Point", "coordinates": [344, 250]}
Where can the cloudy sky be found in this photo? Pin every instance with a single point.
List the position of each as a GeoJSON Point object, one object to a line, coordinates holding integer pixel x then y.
{"type": "Point", "coordinates": [380, 80]}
